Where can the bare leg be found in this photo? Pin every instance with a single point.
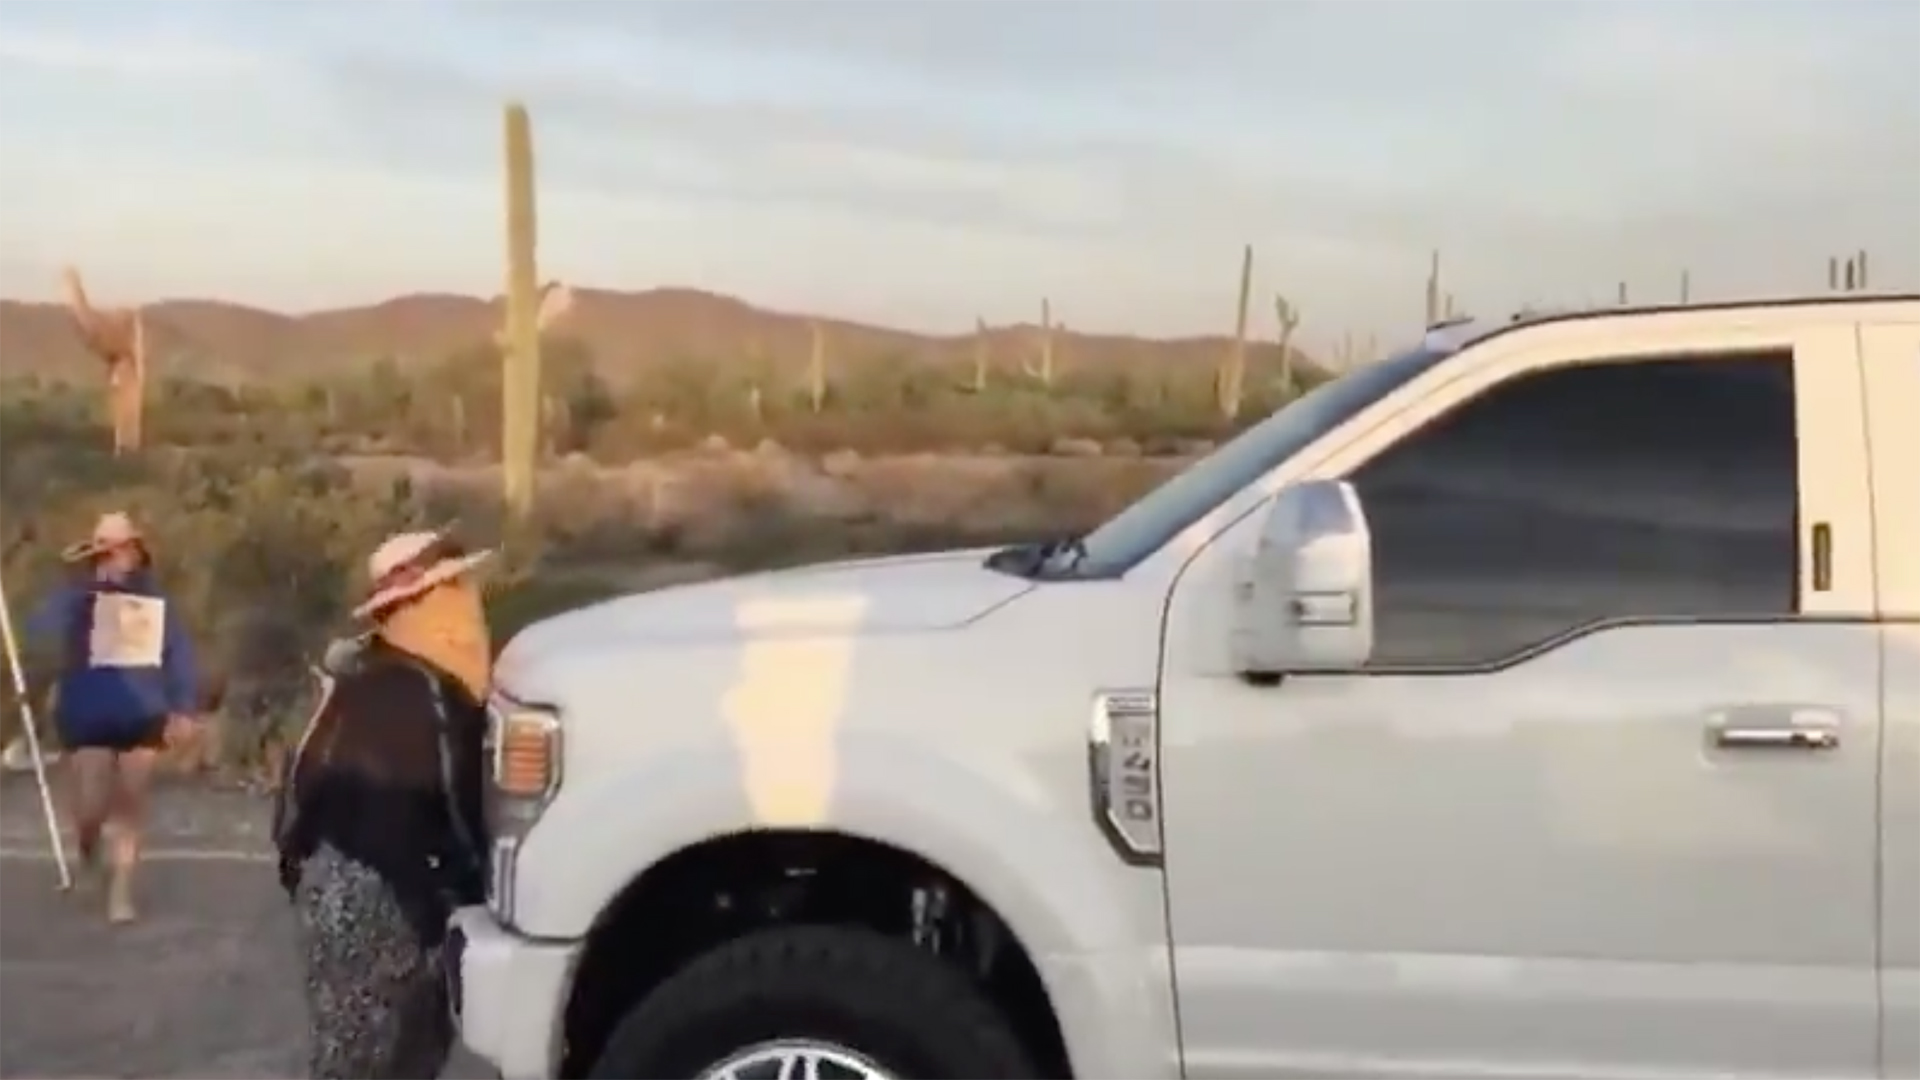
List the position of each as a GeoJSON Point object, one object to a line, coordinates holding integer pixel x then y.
{"type": "Point", "coordinates": [134, 775]}
{"type": "Point", "coordinates": [90, 775]}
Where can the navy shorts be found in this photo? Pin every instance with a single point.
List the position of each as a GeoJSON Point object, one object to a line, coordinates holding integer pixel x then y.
{"type": "Point", "coordinates": [150, 734]}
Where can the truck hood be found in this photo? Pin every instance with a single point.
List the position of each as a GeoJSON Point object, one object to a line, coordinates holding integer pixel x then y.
{"type": "Point", "coordinates": [892, 594]}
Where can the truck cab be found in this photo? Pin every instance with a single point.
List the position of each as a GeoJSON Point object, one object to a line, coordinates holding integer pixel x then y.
{"type": "Point", "coordinates": [1543, 700]}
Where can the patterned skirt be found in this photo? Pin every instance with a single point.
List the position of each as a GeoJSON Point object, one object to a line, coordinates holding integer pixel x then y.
{"type": "Point", "coordinates": [376, 1000]}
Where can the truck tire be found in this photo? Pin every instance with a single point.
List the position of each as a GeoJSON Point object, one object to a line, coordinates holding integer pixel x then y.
{"type": "Point", "coordinates": [900, 1010]}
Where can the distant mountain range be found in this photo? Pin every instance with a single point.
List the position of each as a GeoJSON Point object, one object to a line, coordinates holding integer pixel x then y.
{"type": "Point", "coordinates": [626, 332]}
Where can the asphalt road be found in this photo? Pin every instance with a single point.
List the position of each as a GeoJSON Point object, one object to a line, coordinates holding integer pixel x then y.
{"type": "Point", "coordinates": [206, 984]}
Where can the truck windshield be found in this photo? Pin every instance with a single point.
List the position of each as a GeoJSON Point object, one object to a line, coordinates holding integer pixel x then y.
{"type": "Point", "coordinates": [1147, 525]}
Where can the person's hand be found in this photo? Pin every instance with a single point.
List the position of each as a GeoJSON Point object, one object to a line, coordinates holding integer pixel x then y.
{"type": "Point", "coordinates": [181, 729]}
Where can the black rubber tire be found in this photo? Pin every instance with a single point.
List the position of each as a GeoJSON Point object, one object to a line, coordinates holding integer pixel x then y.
{"type": "Point", "coordinates": [882, 998]}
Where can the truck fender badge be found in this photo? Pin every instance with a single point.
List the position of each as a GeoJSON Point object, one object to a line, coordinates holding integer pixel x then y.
{"type": "Point", "coordinates": [1123, 758]}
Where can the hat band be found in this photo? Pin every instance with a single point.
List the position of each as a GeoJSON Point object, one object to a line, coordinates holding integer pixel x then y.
{"type": "Point", "coordinates": [400, 577]}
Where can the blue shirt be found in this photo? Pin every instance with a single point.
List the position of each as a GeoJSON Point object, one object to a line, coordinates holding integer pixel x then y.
{"type": "Point", "coordinates": [127, 659]}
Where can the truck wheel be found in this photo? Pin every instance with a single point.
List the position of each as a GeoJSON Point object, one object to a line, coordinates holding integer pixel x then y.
{"type": "Point", "coordinates": [853, 1003]}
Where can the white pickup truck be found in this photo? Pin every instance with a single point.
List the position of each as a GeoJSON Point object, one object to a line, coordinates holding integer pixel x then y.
{"type": "Point", "coordinates": [1543, 701]}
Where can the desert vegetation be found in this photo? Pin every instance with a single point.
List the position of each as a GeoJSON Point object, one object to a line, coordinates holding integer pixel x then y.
{"type": "Point", "coordinates": [262, 500]}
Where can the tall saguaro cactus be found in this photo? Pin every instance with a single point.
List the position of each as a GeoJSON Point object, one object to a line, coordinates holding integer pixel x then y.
{"type": "Point", "coordinates": [1435, 298]}
{"type": "Point", "coordinates": [1041, 367]}
{"type": "Point", "coordinates": [117, 336]}
{"type": "Point", "coordinates": [1289, 318]}
{"type": "Point", "coordinates": [817, 367]}
{"type": "Point", "coordinates": [556, 300]}
{"type": "Point", "coordinates": [1232, 382]}
{"type": "Point", "coordinates": [520, 352]}
{"type": "Point", "coordinates": [1849, 274]}
{"type": "Point", "coordinates": [982, 355]}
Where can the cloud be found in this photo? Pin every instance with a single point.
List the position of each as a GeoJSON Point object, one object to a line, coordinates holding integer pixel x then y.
{"type": "Point", "coordinates": [1768, 81]}
{"type": "Point", "coordinates": [610, 132]}
{"type": "Point", "coordinates": [144, 57]}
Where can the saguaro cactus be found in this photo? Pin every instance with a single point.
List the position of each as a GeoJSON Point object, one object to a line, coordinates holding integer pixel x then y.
{"type": "Point", "coordinates": [1289, 318]}
{"type": "Point", "coordinates": [981, 356]}
{"type": "Point", "coordinates": [1232, 382]}
{"type": "Point", "coordinates": [817, 366]}
{"type": "Point", "coordinates": [556, 300]}
{"type": "Point", "coordinates": [1847, 274]}
{"type": "Point", "coordinates": [117, 336]}
{"type": "Point", "coordinates": [520, 354]}
{"type": "Point", "coordinates": [1434, 295]}
{"type": "Point", "coordinates": [1041, 367]}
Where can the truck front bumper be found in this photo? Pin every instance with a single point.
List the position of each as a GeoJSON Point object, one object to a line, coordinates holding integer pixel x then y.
{"type": "Point", "coordinates": [508, 994]}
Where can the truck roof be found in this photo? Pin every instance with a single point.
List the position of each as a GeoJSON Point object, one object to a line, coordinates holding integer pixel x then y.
{"type": "Point", "coordinates": [1457, 334]}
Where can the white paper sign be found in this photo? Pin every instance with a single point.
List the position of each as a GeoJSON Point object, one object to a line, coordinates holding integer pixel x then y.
{"type": "Point", "coordinates": [128, 630]}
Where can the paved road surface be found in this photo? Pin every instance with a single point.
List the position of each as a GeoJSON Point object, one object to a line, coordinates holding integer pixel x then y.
{"type": "Point", "coordinates": [205, 985]}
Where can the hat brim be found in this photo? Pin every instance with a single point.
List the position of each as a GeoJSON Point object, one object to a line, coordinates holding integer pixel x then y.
{"type": "Point", "coordinates": [82, 550]}
{"type": "Point", "coordinates": [436, 575]}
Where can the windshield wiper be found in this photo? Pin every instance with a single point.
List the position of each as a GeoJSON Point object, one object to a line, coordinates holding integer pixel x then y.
{"type": "Point", "coordinates": [1065, 554]}
{"type": "Point", "coordinates": [1056, 557]}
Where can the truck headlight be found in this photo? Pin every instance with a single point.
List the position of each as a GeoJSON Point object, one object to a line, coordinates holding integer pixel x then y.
{"type": "Point", "coordinates": [524, 754]}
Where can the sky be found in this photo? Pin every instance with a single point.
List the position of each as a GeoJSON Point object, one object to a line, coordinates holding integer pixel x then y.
{"type": "Point", "coordinates": [922, 163]}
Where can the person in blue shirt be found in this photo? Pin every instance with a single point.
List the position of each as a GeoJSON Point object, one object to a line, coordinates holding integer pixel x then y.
{"type": "Point", "coordinates": [127, 685]}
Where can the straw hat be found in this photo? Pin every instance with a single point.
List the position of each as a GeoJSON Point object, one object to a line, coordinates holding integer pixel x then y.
{"type": "Point", "coordinates": [113, 530]}
{"type": "Point", "coordinates": [410, 563]}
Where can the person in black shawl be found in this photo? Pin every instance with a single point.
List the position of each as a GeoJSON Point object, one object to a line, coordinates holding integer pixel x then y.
{"type": "Point", "coordinates": [380, 826]}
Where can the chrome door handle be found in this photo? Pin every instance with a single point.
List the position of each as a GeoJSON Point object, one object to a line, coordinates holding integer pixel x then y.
{"type": "Point", "coordinates": [1781, 738]}
{"type": "Point", "coordinates": [1775, 728]}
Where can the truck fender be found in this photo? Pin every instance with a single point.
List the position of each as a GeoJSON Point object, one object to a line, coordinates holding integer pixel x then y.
{"type": "Point", "coordinates": [1042, 865]}
{"type": "Point", "coordinates": [1094, 926]}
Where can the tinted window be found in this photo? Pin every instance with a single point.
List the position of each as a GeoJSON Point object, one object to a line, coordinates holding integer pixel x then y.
{"type": "Point", "coordinates": [1564, 498]}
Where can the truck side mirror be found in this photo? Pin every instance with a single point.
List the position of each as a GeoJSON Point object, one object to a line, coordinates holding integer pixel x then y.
{"type": "Point", "coordinates": [1304, 598]}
